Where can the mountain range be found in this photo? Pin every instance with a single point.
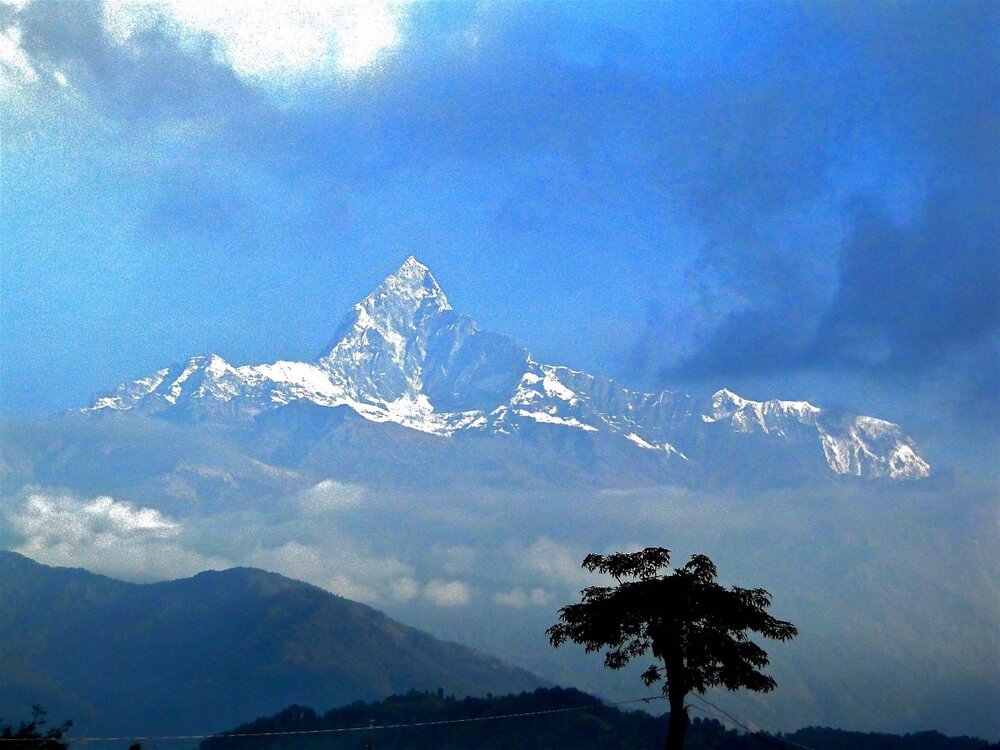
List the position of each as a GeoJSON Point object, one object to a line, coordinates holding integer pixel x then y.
{"type": "Point", "coordinates": [203, 653]}
{"type": "Point", "coordinates": [403, 356]}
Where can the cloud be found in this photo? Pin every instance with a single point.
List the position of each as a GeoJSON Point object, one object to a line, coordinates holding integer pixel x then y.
{"type": "Point", "coordinates": [447, 593]}
{"type": "Point", "coordinates": [846, 200]}
{"type": "Point", "coordinates": [337, 565]}
{"type": "Point", "coordinates": [554, 562]}
{"type": "Point", "coordinates": [65, 517]}
{"type": "Point", "coordinates": [747, 188]}
{"type": "Point", "coordinates": [268, 42]}
{"type": "Point", "coordinates": [404, 589]}
{"type": "Point", "coordinates": [102, 534]}
{"type": "Point", "coordinates": [15, 66]}
{"type": "Point", "coordinates": [519, 598]}
{"type": "Point", "coordinates": [330, 496]}
{"type": "Point", "coordinates": [154, 77]}
{"type": "Point", "coordinates": [910, 296]}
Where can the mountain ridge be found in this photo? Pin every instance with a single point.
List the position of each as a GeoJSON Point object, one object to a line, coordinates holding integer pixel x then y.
{"type": "Point", "coordinates": [404, 355]}
{"type": "Point", "coordinates": [204, 652]}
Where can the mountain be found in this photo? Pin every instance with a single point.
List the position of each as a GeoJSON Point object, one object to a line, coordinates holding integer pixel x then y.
{"type": "Point", "coordinates": [203, 653]}
{"type": "Point", "coordinates": [403, 356]}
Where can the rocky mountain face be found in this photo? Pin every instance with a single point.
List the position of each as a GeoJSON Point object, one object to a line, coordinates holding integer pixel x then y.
{"type": "Point", "coordinates": [402, 355]}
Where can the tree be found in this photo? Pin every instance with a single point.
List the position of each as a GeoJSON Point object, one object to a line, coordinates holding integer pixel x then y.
{"type": "Point", "coordinates": [29, 734]}
{"type": "Point", "coordinates": [696, 629]}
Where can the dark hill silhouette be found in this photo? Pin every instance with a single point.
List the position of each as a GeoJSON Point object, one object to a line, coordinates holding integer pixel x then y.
{"type": "Point", "coordinates": [555, 718]}
{"type": "Point", "coordinates": [200, 654]}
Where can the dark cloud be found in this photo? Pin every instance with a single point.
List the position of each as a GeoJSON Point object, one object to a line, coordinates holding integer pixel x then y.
{"type": "Point", "coordinates": [918, 292]}
{"type": "Point", "coordinates": [915, 289]}
{"type": "Point", "coordinates": [148, 79]}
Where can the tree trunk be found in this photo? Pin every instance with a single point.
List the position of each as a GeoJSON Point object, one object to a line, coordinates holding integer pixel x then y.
{"type": "Point", "coordinates": [678, 725]}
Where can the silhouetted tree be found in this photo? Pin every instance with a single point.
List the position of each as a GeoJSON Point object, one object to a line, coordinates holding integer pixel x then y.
{"type": "Point", "coordinates": [695, 628]}
{"type": "Point", "coordinates": [29, 734]}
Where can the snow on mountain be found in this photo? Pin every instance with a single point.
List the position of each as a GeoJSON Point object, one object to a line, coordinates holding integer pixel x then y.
{"type": "Point", "coordinates": [858, 445]}
{"type": "Point", "coordinates": [872, 447]}
{"type": "Point", "coordinates": [558, 395]}
{"type": "Point", "coordinates": [760, 416]}
{"type": "Point", "coordinates": [403, 355]}
{"type": "Point", "coordinates": [404, 350]}
{"type": "Point", "coordinates": [379, 351]}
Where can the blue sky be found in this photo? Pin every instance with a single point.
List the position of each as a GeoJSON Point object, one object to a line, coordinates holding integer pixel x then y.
{"type": "Point", "coordinates": [790, 199]}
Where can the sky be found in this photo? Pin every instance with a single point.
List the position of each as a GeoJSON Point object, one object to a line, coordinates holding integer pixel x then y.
{"type": "Point", "coordinates": [793, 200]}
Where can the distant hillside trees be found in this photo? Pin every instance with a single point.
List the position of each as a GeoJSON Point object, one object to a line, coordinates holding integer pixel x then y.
{"type": "Point", "coordinates": [545, 719]}
{"type": "Point", "coordinates": [32, 734]}
{"type": "Point", "coordinates": [825, 738]}
{"type": "Point", "coordinates": [541, 720]}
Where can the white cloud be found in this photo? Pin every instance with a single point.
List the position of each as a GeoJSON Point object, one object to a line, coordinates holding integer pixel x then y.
{"type": "Point", "coordinates": [404, 589]}
{"type": "Point", "coordinates": [23, 76]}
{"type": "Point", "coordinates": [270, 41]}
{"type": "Point", "coordinates": [556, 563]}
{"type": "Point", "coordinates": [337, 566]}
{"type": "Point", "coordinates": [518, 598]}
{"type": "Point", "coordinates": [103, 535]}
{"type": "Point", "coordinates": [330, 496]}
{"type": "Point", "coordinates": [15, 67]}
{"type": "Point", "coordinates": [447, 593]}
{"type": "Point", "coordinates": [64, 517]}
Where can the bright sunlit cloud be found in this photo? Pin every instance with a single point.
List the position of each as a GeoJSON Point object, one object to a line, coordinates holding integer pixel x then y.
{"type": "Point", "coordinates": [447, 593]}
{"type": "Point", "coordinates": [270, 42]}
{"type": "Point", "coordinates": [73, 519]}
{"type": "Point", "coordinates": [102, 534]}
{"type": "Point", "coordinates": [14, 63]}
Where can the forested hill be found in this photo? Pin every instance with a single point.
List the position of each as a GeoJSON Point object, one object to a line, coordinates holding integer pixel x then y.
{"type": "Point", "coordinates": [546, 719]}
{"type": "Point", "coordinates": [824, 738]}
{"type": "Point", "coordinates": [200, 654]}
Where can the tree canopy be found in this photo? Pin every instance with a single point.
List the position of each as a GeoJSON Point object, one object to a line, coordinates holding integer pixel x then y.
{"type": "Point", "coordinates": [32, 734]}
{"type": "Point", "coordinates": [696, 629]}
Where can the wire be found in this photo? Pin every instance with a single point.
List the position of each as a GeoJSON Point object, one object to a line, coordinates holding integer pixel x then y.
{"type": "Point", "coordinates": [162, 738]}
{"type": "Point", "coordinates": [756, 732]}
{"type": "Point", "coordinates": [724, 713]}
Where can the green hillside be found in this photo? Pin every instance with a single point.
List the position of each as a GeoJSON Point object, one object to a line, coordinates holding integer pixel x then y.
{"type": "Point", "coordinates": [200, 654]}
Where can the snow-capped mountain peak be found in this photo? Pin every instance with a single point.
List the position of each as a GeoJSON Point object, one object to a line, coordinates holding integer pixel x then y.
{"type": "Point", "coordinates": [411, 291]}
{"type": "Point", "coordinates": [402, 306]}
{"type": "Point", "coordinates": [403, 343]}
{"type": "Point", "coordinates": [403, 355]}
{"type": "Point", "coordinates": [415, 278]}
